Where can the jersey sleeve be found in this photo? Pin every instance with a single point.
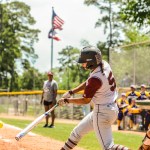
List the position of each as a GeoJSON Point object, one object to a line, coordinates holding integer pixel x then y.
{"type": "Point", "coordinates": [138, 94]}
{"type": "Point", "coordinates": [127, 94]}
{"type": "Point", "coordinates": [93, 85]}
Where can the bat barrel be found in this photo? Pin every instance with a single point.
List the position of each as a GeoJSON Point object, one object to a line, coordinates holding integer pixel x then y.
{"type": "Point", "coordinates": [20, 135]}
{"type": "Point", "coordinates": [33, 124]}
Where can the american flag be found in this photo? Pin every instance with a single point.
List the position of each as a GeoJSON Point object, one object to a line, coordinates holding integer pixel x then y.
{"type": "Point", "coordinates": [57, 23]}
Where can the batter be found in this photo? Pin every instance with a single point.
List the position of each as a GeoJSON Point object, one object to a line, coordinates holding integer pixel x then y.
{"type": "Point", "coordinates": [100, 88]}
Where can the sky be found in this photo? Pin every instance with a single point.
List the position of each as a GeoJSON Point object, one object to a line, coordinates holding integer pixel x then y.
{"type": "Point", "coordinates": [79, 24]}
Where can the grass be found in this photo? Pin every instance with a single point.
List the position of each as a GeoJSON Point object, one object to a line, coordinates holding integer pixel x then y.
{"type": "Point", "coordinates": [63, 130]}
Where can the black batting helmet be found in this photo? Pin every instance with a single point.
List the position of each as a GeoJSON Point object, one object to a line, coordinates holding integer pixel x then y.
{"type": "Point", "coordinates": [90, 55]}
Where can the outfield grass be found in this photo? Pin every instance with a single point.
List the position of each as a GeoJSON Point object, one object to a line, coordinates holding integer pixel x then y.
{"type": "Point", "coordinates": [89, 142]}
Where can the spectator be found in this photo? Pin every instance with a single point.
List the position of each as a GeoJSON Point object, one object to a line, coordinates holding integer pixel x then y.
{"type": "Point", "coordinates": [49, 97]}
{"type": "Point", "coordinates": [122, 104]}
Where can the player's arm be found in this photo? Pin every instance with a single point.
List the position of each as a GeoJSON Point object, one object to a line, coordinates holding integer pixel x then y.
{"type": "Point", "coordinates": [138, 94]}
{"type": "Point", "coordinates": [127, 94]}
{"type": "Point", "coordinates": [90, 89]}
{"type": "Point", "coordinates": [79, 88]}
{"type": "Point", "coordinates": [75, 90]}
{"type": "Point", "coordinates": [147, 94]}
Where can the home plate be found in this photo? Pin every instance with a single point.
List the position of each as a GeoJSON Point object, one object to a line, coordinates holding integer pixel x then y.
{"type": "Point", "coordinates": [7, 140]}
{"type": "Point", "coordinates": [13, 127]}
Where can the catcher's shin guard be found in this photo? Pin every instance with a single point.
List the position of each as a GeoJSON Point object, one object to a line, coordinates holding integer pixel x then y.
{"type": "Point", "coordinates": [146, 142]}
{"type": "Point", "coordinates": [69, 145]}
{"type": "Point", "coordinates": [118, 147]}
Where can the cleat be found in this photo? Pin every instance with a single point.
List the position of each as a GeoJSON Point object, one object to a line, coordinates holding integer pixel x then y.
{"type": "Point", "coordinates": [46, 125]}
{"type": "Point", "coordinates": [51, 126]}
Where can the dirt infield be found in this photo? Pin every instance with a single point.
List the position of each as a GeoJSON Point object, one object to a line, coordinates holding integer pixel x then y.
{"type": "Point", "coordinates": [30, 142]}
{"type": "Point", "coordinates": [36, 142]}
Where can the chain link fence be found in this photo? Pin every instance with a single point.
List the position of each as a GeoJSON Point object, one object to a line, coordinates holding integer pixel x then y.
{"type": "Point", "coordinates": [29, 105]}
{"type": "Point", "coordinates": [130, 64]}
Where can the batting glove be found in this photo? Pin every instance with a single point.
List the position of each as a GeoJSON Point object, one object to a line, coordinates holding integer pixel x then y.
{"type": "Point", "coordinates": [62, 101]}
{"type": "Point", "coordinates": [67, 94]}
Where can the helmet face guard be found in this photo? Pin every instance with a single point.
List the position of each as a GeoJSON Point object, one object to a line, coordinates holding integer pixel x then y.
{"type": "Point", "coordinates": [90, 55]}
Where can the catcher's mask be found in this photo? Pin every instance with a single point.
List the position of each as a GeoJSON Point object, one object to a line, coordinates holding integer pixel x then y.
{"type": "Point", "coordinates": [91, 56]}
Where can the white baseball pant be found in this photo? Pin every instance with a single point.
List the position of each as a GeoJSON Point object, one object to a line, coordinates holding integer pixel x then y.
{"type": "Point", "coordinates": [100, 120]}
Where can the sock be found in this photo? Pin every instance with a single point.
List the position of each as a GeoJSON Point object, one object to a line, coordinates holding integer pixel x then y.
{"type": "Point", "coordinates": [69, 145]}
{"type": "Point", "coordinates": [118, 147]}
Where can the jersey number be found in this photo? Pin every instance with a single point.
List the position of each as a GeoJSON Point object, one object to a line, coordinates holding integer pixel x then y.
{"type": "Point", "coordinates": [111, 81]}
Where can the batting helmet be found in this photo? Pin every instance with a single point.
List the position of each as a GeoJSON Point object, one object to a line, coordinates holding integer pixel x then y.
{"type": "Point", "coordinates": [90, 55]}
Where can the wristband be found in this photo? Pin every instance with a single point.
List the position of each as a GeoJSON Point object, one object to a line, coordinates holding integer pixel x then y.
{"type": "Point", "coordinates": [66, 100]}
{"type": "Point", "coordinates": [70, 92]}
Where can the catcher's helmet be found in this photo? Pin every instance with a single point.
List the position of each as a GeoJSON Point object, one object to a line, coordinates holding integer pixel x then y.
{"type": "Point", "coordinates": [90, 55]}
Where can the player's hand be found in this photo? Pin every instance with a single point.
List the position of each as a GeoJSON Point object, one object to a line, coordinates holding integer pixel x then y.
{"type": "Point", "coordinates": [61, 102]}
{"type": "Point", "coordinates": [67, 94]}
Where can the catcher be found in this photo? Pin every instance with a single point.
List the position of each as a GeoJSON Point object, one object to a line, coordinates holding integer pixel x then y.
{"type": "Point", "coordinates": [146, 142]}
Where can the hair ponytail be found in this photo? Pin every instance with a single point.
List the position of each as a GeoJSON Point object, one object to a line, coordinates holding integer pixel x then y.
{"type": "Point", "coordinates": [102, 67]}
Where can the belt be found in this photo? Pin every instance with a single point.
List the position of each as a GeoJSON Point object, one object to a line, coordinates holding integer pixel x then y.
{"type": "Point", "coordinates": [107, 103]}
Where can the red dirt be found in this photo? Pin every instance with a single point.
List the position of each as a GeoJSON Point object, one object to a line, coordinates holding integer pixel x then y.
{"type": "Point", "coordinates": [29, 142]}
{"type": "Point", "coordinates": [36, 142]}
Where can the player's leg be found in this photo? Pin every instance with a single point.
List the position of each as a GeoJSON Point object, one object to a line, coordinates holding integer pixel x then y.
{"type": "Point", "coordinates": [103, 118]}
{"type": "Point", "coordinates": [85, 126]}
{"type": "Point", "coordinates": [131, 121]}
{"type": "Point", "coordinates": [46, 107]}
{"type": "Point", "coordinates": [52, 116]}
{"type": "Point", "coordinates": [120, 117]}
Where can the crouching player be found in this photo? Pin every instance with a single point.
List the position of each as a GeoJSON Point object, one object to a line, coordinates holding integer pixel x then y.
{"type": "Point", "coordinates": [146, 142]}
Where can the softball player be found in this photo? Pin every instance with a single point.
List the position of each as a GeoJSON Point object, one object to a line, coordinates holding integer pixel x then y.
{"type": "Point", "coordinates": [100, 88]}
{"type": "Point", "coordinates": [133, 93]}
{"type": "Point", "coordinates": [122, 104]}
{"type": "Point", "coordinates": [144, 94]}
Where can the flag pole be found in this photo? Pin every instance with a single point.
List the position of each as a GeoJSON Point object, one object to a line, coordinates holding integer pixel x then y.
{"type": "Point", "coordinates": [52, 41]}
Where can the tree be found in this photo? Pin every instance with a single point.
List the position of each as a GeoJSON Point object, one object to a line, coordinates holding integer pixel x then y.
{"type": "Point", "coordinates": [32, 79]}
{"type": "Point", "coordinates": [136, 12]}
{"type": "Point", "coordinates": [71, 73]}
{"type": "Point", "coordinates": [17, 39]}
{"type": "Point", "coordinates": [109, 20]}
